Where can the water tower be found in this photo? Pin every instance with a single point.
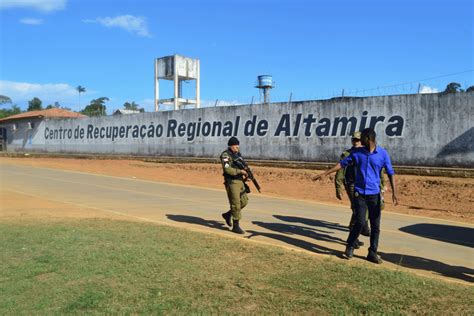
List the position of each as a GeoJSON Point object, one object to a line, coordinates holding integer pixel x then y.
{"type": "Point", "coordinates": [265, 83]}
{"type": "Point", "coordinates": [178, 69]}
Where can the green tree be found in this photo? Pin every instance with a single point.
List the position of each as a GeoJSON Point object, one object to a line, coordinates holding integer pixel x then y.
{"type": "Point", "coordinates": [133, 106]}
{"type": "Point", "coordinates": [80, 89]}
{"type": "Point", "coordinates": [470, 89]}
{"type": "Point", "coordinates": [453, 87]}
{"type": "Point", "coordinates": [55, 106]}
{"type": "Point", "coordinates": [96, 107]}
{"type": "Point", "coordinates": [8, 112]}
{"type": "Point", "coordinates": [4, 99]}
{"type": "Point", "coordinates": [34, 104]}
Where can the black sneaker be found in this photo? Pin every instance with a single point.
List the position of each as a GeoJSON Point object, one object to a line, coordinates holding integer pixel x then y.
{"type": "Point", "coordinates": [228, 218]}
{"type": "Point", "coordinates": [358, 244]}
{"type": "Point", "coordinates": [349, 252]}
{"type": "Point", "coordinates": [374, 257]}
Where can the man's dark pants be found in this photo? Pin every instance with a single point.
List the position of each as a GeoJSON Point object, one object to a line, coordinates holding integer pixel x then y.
{"type": "Point", "coordinates": [362, 203]}
{"type": "Point", "coordinates": [350, 190]}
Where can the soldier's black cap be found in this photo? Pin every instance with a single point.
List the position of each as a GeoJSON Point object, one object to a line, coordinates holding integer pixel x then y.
{"type": "Point", "coordinates": [233, 141]}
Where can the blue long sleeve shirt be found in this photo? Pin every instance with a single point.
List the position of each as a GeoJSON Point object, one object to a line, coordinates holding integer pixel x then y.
{"type": "Point", "coordinates": [368, 168]}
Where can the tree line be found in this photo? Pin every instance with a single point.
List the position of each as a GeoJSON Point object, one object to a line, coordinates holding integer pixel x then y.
{"type": "Point", "coordinates": [96, 107]}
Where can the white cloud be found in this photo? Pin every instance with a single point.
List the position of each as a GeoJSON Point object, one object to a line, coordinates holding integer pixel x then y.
{"type": "Point", "coordinates": [65, 94]}
{"type": "Point", "coordinates": [40, 5]}
{"type": "Point", "coordinates": [133, 24]}
{"type": "Point", "coordinates": [426, 89]}
{"type": "Point", "coordinates": [31, 21]}
{"type": "Point", "coordinates": [25, 89]}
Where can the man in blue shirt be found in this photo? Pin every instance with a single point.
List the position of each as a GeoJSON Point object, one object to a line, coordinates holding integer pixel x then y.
{"type": "Point", "coordinates": [369, 162]}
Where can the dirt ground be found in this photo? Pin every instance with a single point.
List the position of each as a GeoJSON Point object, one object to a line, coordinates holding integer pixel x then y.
{"type": "Point", "coordinates": [437, 197]}
{"type": "Point", "coordinates": [16, 206]}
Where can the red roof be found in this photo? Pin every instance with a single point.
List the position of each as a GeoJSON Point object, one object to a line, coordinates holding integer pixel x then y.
{"type": "Point", "coordinates": [50, 113]}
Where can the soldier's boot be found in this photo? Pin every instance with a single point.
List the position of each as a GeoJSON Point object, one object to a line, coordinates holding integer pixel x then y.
{"type": "Point", "coordinates": [374, 257]}
{"type": "Point", "coordinates": [236, 227]}
{"type": "Point", "coordinates": [228, 218]}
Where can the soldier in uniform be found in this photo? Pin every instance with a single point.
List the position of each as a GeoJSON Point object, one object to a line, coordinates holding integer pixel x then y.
{"type": "Point", "coordinates": [234, 179]}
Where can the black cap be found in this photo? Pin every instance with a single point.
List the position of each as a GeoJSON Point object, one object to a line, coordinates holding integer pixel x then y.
{"type": "Point", "coordinates": [233, 141]}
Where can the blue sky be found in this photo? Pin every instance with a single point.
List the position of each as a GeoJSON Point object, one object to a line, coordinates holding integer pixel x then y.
{"type": "Point", "coordinates": [313, 49]}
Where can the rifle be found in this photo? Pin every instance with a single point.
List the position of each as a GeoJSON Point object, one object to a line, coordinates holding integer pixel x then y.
{"type": "Point", "coordinates": [242, 164]}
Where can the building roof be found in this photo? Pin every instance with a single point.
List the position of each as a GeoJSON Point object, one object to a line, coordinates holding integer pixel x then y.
{"type": "Point", "coordinates": [50, 113]}
{"type": "Point", "coordinates": [125, 111]}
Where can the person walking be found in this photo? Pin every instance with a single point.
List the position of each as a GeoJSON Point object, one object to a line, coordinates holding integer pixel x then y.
{"type": "Point", "coordinates": [369, 162]}
{"type": "Point", "coordinates": [344, 179]}
{"type": "Point", "coordinates": [234, 179]}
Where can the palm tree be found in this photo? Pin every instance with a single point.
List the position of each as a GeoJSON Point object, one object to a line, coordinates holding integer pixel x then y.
{"type": "Point", "coordinates": [80, 89]}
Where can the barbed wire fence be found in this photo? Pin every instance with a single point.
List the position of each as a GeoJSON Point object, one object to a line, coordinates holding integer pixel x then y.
{"type": "Point", "coordinates": [411, 87]}
{"type": "Point", "coordinates": [427, 85]}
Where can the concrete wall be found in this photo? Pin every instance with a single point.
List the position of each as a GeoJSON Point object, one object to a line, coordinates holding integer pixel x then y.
{"type": "Point", "coordinates": [429, 129]}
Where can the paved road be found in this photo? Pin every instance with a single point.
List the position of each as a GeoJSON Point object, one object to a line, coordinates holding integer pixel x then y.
{"type": "Point", "coordinates": [425, 245]}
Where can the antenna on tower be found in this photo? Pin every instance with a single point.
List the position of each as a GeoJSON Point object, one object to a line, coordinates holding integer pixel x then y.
{"type": "Point", "coordinates": [265, 83]}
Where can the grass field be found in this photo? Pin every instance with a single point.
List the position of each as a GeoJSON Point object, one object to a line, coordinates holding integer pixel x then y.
{"type": "Point", "coordinates": [111, 266]}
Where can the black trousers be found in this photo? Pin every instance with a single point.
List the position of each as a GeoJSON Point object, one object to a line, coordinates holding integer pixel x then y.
{"type": "Point", "coordinates": [350, 190]}
{"type": "Point", "coordinates": [362, 203]}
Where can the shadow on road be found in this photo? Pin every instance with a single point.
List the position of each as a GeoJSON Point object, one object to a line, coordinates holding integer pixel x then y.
{"type": "Point", "coordinates": [412, 207]}
{"type": "Point", "coordinates": [453, 234]}
{"type": "Point", "coordinates": [297, 242]}
{"type": "Point", "coordinates": [283, 230]}
{"type": "Point", "coordinates": [412, 262]}
{"type": "Point", "coordinates": [300, 230]}
{"type": "Point", "coordinates": [312, 222]}
{"type": "Point", "coordinates": [198, 221]}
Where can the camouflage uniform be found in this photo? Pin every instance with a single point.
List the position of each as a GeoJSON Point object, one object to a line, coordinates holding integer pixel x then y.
{"type": "Point", "coordinates": [234, 184]}
{"type": "Point", "coordinates": [345, 177]}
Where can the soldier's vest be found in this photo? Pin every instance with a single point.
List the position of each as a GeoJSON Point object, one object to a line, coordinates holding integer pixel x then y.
{"type": "Point", "coordinates": [232, 157]}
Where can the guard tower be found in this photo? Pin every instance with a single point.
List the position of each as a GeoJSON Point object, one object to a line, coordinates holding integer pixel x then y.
{"type": "Point", "coordinates": [265, 83]}
{"type": "Point", "coordinates": [177, 68]}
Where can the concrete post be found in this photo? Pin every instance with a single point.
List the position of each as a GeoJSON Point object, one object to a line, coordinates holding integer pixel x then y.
{"type": "Point", "coordinates": [198, 86]}
{"type": "Point", "coordinates": [176, 86]}
{"type": "Point", "coordinates": [157, 86]}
